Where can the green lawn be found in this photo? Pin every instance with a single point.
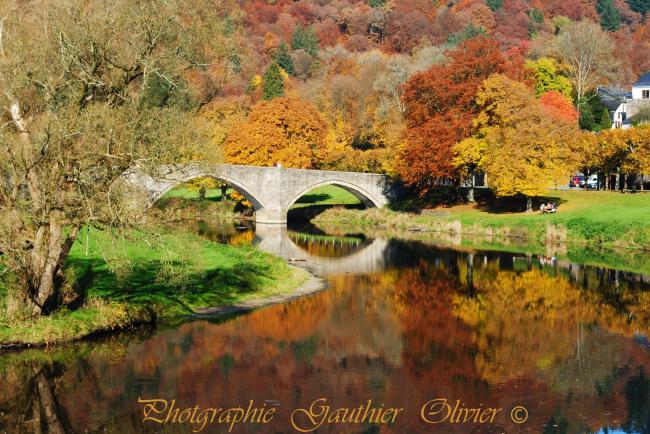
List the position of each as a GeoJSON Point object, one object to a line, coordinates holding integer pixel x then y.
{"type": "Point", "coordinates": [327, 195]}
{"type": "Point", "coordinates": [607, 218]}
{"type": "Point", "coordinates": [159, 275]}
{"type": "Point", "coordinates": [604, 218]}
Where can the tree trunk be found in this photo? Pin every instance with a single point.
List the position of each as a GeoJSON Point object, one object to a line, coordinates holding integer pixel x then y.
{"type": "Point", "coordinates": [529, 204]}
{"type": "Point", "coordinates": [470, 275]}
{"type": "Point", "coordinates": [470, 193]}
{"type": "Point", "coordinates": [51, 248]}
{"type": "Point", "coordinates": [202, 193]}
{"type": "Point", "coordinates": [49, 405]}
{"type": "Point", "coordinates": [224, 192]}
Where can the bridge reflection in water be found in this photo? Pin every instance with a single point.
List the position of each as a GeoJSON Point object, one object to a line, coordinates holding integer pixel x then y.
{"type": "Point", "coordinates": [362, 256]}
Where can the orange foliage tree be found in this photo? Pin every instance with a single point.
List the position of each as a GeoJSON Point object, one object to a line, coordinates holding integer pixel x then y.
{"type": "Point", "coordinates": [559, 106]}
{"type": "Point", "coordinates": [440, 110]}
{"type": "Point", "coordinates": [284, 130]}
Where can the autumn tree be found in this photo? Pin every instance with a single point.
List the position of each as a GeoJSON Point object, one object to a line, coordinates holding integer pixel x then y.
{"type": "Point", "coordinates": [618, 151]}
{"type": "Point", "coordinates": [440, 110]}
{"type": "Point", "coordinates": [521, 149]}
{"type": "Point", "coordinates": [273, 82]}
{"type": "Point", "coordinates": [637, 161]}
{"type": "Point", "coordinates": [218, 117]}
{"type": "Point", "coordinates": [77, 83]}
{"type": "Point", "coordinates": [549, 76]}
{"type": "Point", "coordinates": [284, 130]}
{"type": "Point", "coordinates": [588, 52]}
{"type": "Point", "coordinates": [559, 106]}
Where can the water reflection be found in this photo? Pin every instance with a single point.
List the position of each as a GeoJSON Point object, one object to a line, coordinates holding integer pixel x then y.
{"type": "Point", "coordinates": [410, 323]}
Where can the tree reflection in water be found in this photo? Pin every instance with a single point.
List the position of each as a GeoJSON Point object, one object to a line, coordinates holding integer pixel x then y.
{"type": "Point", "coordinates": [567, 342]}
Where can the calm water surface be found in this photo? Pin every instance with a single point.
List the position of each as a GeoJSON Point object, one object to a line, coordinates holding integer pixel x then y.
{"type": "Point", "coordinates": [401, 324]}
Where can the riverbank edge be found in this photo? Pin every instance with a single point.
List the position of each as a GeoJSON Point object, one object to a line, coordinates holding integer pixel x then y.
{"type": "Point", "coordinates": [311, 286]}
{"type": "Point", "coordinates": [132, 317]}
{"type": "Point", "coordinates": [551, 234]}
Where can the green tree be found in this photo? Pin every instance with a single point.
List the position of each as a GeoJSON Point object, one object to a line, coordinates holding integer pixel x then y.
{"type": "Point", "coordinates": [305, 39]}
{"type": "Point", "coordinates": [640, 6]}
{"type": "Point", "coordinates": [273, 82]}
{"type": "Point", "coordinates": [610, 17]}
{"type": "Point", "coordinates": [284, 60]}
{"type": "Point", "coordinates": [605, 120]}
{"type": "Point", "coordinates": [377, 3]}
{"type": "Point", "coordinates": [535, 20]}
{"type": "Point", "coordinates": [548, 76]}
{"type": "Point", "coordinates": [594, 115]}
{"type": "Point", "coordinates": [470, 31]}
{"type": "Point", "coordinates": [559, 22]}
{"type": "Point", "coordinates": [495, 5]}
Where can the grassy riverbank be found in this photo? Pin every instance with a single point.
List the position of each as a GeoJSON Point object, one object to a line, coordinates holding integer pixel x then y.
{"type": "Point", "coordinates": [126, 281]}
{"type": "Point", "coordinates": [606, 219]}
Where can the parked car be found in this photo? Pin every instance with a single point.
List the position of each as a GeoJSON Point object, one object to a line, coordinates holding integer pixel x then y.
{"type": "Point", "coordinates": [591, 182]}
{"type": "Point", "coordinates": [577, 181]}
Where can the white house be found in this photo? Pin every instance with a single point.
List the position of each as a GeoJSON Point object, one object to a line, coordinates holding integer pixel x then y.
{"type": "Point", "coordinates": [641, 89]}
{"type": "Point", "coordinates": [624, 107]}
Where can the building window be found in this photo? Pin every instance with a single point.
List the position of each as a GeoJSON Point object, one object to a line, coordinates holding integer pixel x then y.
{"type": "Point", "coordinates": [645, 94]}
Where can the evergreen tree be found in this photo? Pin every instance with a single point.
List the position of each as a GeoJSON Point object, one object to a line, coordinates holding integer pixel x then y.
{"type": "Point", "coordinates": [305, 39]}
{"type": "Point", "coordinates": [640, 6]}
{"type": "Point", "coordinates": [605, 121]}
{"type": "Point", "coordinates": [273, 82]}
{"type": "Point", "coordinates": [376, 3]}
{"type": "Point", "coordinates": [284, 60]}
{"type": "Point", "coordinates": [470, 31]}
{"type": "Point", "coordinates": [535, 21]}
{"type": "Point", "coordinates": [495, 5]}
{"type": "Point", "coordinates": [610, 17]}
{"type": "Point", "coordinates": [594, 115]}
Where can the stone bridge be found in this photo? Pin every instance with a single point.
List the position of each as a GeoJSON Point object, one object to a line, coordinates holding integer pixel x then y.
{"type": "Point", "coordinates": [271, 190]}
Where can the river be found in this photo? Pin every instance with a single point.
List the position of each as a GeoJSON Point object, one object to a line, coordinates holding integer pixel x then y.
{"type": "Point", "coordinates": [557, 346]}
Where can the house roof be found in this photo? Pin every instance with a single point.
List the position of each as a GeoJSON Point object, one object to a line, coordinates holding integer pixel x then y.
{"type": "Point", "coordinates": [611, 97]}
{"type": "Point", "coordinates": [644, 80]}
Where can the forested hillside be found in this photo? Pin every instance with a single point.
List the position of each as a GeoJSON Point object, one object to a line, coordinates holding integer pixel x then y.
{"type": "Point", "coordinates": [391, 85]}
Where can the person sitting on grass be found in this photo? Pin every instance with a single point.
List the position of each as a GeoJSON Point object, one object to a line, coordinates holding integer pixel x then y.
{"type": "Point", "coordinates": [550, 208]}
{"type": "Point", "coordinates": [542, 207]}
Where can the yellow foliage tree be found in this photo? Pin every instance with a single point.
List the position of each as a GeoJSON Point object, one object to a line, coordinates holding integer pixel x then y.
{"type": "Point", "coordinates": [521, 149]}
{"type": "Point", "coordinates": [218, 118]}
{"type": "Point", "coordinates": [619, 151]}
{"type": "Point", "coordinates": [284, 130]}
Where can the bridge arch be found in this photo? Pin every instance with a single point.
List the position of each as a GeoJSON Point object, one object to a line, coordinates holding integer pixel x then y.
{"type": "Point", "coordinates": [364, 196]}
{"type": "Point", "coordinates": [237, 185]}
{"type": "Point", "coordinates": [181, 178]}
